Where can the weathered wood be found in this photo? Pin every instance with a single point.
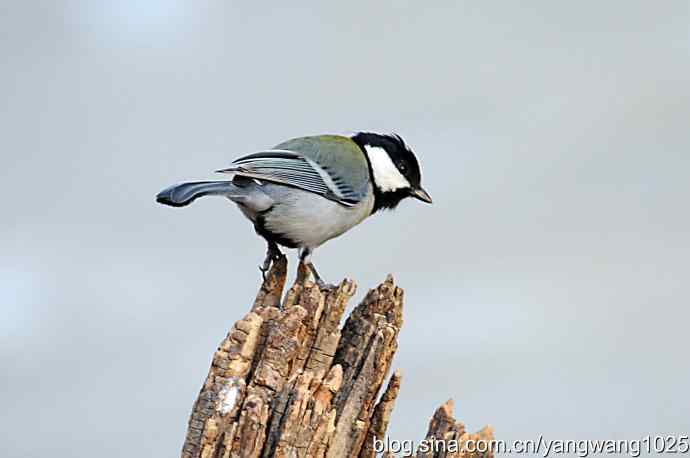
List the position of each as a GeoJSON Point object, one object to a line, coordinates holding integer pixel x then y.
{"type": "Point", "coordinates": [381, 417]}
{"type": "Point", "coordinates": [446, 432]}
{"type": "Point", "coordinates": [287, 381]}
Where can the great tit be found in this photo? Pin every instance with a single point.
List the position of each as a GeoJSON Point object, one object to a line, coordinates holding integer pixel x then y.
{"type": "Point", "coordinates": [308, 190]}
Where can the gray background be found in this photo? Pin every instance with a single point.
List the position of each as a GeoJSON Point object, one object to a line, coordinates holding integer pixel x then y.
{"type": "Point", "coordinates": [546, 289]}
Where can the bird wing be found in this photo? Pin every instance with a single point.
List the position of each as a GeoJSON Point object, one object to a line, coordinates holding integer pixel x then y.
{"type": "Point", "coordinates": [326, 165]}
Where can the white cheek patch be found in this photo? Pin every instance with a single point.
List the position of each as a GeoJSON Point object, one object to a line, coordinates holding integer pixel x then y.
{"type": "Point", "coordinates": [386, 174]}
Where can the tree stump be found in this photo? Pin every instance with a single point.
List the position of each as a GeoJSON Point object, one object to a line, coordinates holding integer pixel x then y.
{"type": "Point", "coordinates": [287, 381]}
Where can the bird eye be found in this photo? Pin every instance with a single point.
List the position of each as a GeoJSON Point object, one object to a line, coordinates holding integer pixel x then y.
{"type": "Point", "coordinates": [402, 167]}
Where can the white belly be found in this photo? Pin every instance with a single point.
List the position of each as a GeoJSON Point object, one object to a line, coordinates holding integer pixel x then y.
{"type": "Point", "coordinates": [309, 219]}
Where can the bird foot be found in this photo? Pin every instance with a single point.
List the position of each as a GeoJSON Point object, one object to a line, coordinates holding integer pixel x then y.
{"type": "Point", "coordinates": [325, 286]}
{"type": "Point", "coordinates": [273, 254]}
{"type": "Point", "coordinates": [319, 281]}
{"type": "Point", "coordinates": [264, 270]}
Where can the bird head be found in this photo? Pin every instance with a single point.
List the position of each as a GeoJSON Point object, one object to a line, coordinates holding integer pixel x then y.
{"type": "Point", "coordinates": [393, 167]}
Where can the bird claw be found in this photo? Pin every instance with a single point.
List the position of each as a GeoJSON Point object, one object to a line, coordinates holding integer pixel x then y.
{"type": "Point", "coordinates": [272, 255]}
{"type": "Point", "coordinates": [264, 270]}
{"type": "Point", "coordinates": [318, 280]}
{"type": "Point", "coordinates": [325, 286]}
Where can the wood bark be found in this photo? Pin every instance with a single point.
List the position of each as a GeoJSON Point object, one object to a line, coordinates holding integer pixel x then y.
{"type": "Point", "coordinates": [288, 381]}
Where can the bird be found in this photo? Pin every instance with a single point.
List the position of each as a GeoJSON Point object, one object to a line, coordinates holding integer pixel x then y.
{"type": "Point", "coordinates": [308, 190]}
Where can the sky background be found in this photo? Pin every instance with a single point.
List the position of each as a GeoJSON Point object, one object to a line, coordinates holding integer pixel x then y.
{"type": "Point", "coordinates": [547, 288]}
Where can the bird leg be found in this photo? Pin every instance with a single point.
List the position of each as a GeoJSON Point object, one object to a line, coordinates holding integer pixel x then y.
{"type": "Point", "coordinates": [305, 258]}
{"type": "Point", "coordinates": [317, 278]}
{"type": "Point", "coordinates": [273, 253]}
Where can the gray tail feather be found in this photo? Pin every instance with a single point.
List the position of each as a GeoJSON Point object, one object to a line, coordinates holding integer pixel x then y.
{"type": "Point", "coordinates": [183, 194]}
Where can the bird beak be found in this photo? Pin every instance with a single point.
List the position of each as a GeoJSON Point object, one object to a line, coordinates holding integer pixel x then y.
{"type": "Point", "coordinates": [421, 194]}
